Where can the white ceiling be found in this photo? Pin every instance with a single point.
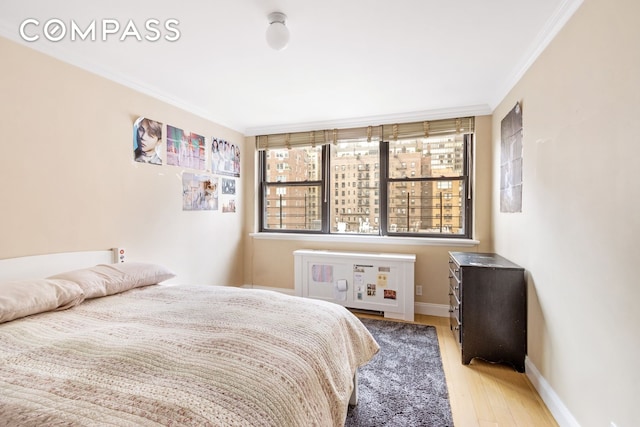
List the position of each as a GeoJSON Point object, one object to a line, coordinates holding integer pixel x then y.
{"type": "Point", "coordinates": [349, 62]}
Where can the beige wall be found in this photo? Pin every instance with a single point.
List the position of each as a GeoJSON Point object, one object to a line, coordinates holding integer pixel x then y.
{"type": "Point", "coordinates": [269, 263]}
{"type": "Point", "coordinates": [69, 181]}
{"type": "Point", "coordinates": [577, 233]}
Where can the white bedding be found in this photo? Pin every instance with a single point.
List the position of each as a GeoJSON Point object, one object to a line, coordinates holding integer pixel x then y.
{"type": "Point", "coordinates": [183, 356]}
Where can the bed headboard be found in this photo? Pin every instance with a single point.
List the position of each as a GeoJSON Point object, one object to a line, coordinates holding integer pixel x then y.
{"type": "Point", "coordinates": [41, 266]}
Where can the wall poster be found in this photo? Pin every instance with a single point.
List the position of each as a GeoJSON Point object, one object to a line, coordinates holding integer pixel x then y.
{"type": "Point", "coordinates": [199, 192]}
{"type": "Point", "coordinates": [511, 161]}
{"type": "Point", "coordinates": [147, 140]}
{"type": "Point", "coordinates": [225, 158]}
{"type": "Point", "coordinates": [185, 149]}
{"type": "Point", "coordinates": [228, 195]}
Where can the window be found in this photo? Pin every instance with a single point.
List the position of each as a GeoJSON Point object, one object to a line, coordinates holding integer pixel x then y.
{"type": "Point", "coordinates": [431, 198]}
{"type": "Point", "coordinates": [292, 202]}
{"type": "Point", "coordinates": [441, 176]}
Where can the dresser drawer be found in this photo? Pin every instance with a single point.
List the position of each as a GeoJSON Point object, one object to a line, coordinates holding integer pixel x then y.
{"type": "Point", "coordinates": [454, 284]}
{"type": "Point", "coordinates": [454, 306]}
{"type": "Point", "coordinates": [454, 315]}
{"type": "Point", "coordinates": [454, 269]}
{"type": "Point", "coordinates": [455, 326]}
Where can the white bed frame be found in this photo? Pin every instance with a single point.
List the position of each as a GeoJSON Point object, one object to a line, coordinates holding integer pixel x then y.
{"type": "Point", "coordinates": [41, 266]}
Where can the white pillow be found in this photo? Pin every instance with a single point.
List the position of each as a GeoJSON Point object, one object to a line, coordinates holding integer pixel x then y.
{"type": "Point", "coordinates": [109, 279]}
{"type": "Point", "coordinates": [20, 298]}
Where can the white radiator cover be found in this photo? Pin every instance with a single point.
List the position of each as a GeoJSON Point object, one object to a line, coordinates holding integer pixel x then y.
{"type": "Point", "coordinates": [361, 280]}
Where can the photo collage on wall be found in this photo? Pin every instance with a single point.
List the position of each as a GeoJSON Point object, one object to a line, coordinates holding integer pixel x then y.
{"type": "Point", "coordinates": [201, 190]}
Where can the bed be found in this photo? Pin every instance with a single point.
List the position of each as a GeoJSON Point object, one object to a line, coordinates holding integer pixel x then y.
{"type": "Point", "coordinates": [126, 351]}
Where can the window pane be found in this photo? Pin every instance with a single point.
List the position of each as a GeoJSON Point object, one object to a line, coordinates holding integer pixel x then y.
{"type": "Point", "coordinates": [294, 165]}
{"type": "Point", "coordinates": [438, 209]}
{"type": "Point", "coordinates": [291, 207]}
{"type": "Point", "coordinates": [359, 160]}
{"type": "Point", "coordinates": [426, 157]}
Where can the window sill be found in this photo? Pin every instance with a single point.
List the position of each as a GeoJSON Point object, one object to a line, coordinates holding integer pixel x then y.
{"type": "Point", "coordinates": [355, 238]}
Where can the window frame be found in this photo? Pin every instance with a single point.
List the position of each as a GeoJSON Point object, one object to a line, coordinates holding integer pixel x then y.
{"type": "Point", "coordinates": [324, 206]}
{"type": "Point", "coordinates": [326, 187]}
{"type": "Point", "coordinates": [465, 179]}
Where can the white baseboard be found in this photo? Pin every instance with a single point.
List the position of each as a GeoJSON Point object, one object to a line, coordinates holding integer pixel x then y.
{"type": "Point", "coordinates": [439, 310]}
{"type": "Point", "coordinates": [287, 291]}
{"type": "Point", "coordinates": [563, 416]}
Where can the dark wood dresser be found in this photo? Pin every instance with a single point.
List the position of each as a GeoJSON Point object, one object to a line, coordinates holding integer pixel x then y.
{"type": "Point", "coordinates": [488, 308]}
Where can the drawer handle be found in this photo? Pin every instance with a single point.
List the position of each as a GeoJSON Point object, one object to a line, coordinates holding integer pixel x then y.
{"type": "Point", "coordinates": [456, 328]}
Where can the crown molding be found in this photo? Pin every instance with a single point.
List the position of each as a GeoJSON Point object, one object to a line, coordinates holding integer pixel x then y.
{"type": "Point", "coordinates": [58, 52]}
{"type": "Point", "coordinates": [416, 116]}
{"type": "Point", "coordinates": [552, 27]}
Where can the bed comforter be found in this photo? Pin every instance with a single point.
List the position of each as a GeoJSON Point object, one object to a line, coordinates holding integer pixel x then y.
{"type": "Point", "coordinates": [183, 356]}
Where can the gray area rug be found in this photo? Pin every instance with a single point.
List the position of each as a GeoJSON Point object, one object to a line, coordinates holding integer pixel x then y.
{"type": "Point", "coordinates": [404, 384]}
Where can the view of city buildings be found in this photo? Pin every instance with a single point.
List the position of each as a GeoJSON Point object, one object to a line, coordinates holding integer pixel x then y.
{"type": "Point", "coordinates": [425, 191]}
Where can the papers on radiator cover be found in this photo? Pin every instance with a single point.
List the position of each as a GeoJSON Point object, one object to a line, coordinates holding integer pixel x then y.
{"type": "Point", "coordinates": [340, 290]}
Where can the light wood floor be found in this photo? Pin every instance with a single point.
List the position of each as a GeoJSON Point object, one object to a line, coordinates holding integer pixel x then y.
{"type": "Point", "coordinates": [484, 394]}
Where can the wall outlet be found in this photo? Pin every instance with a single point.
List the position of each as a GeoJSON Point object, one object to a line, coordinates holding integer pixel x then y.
{"type": "Point", "coordinates": [119, 255]}
{"type": "Point", "coordinates": [418, 290]}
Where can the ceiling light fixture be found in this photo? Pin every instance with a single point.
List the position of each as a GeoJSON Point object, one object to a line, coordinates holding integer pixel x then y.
{"type": "Point", "coordinates": [277, 32]}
